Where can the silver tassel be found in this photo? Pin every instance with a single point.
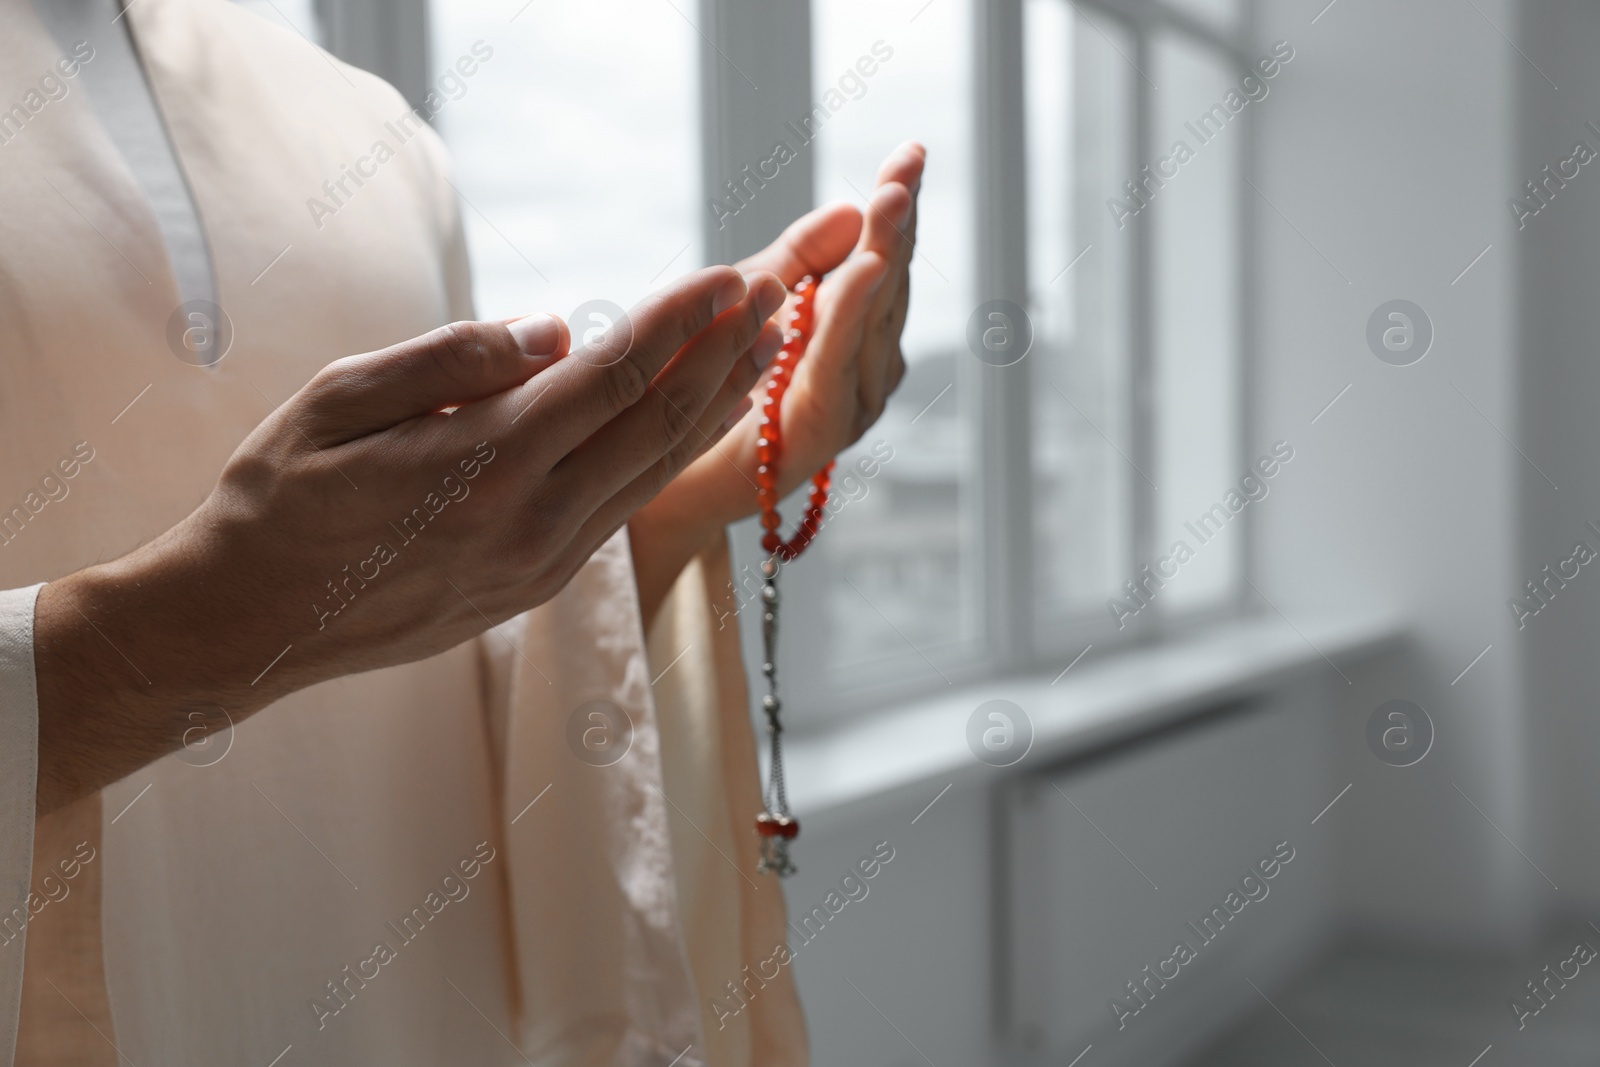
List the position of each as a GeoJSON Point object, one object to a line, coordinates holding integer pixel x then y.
{"type": "Point", "coordinates": [777, 825]}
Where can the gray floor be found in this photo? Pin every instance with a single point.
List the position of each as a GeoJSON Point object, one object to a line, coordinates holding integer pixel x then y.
{"type": "Point", "coordinates": [1378, 1007]}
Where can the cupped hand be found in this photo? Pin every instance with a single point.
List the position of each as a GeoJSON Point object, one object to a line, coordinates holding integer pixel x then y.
{"type": "Point", "coordinates": [854, 360]}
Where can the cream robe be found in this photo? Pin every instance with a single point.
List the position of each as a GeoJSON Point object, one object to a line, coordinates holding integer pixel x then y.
{"type": "Point", "coordinates": [223, 903]}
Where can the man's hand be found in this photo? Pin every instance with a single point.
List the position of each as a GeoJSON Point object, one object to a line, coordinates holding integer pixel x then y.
{"type": "Point", "coordinates": [841, 386]}
{"type": "Point", "coordinates": [402, 502]}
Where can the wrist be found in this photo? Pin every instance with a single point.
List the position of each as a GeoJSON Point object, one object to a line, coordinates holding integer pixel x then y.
{"type": "Point", "coordinates": [664, 537]}
{"type": "Point", "coordinates": [79, 692]}
{"type": "Point", "coordinates": [116, 685]}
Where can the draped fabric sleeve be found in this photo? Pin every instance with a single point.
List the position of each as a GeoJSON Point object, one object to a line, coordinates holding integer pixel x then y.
{"type": "Point", "coordinates": [733, 920]}
{"type": "Point", "coordinates": [19, 770]}
{"type": "Point", "coordinates": [602, 979]}
{"type": "Point", "coordinates": [629, 789]}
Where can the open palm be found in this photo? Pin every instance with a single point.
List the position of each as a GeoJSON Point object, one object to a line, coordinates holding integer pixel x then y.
{"type": "Point", "coordinates": [854, 360]}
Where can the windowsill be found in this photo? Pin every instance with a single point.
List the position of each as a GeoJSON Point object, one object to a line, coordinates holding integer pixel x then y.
{"type": "Point", "coordinates": [1114, 700]}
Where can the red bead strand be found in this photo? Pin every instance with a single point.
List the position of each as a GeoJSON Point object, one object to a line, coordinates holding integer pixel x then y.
{"type": "Point", "coordinates": [769, 447]}
{"type": "Point", "coordinates": [776, 827]}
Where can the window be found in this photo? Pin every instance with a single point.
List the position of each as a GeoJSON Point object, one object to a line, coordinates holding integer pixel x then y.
{"type": "Point", "coordinates": [576, 148]}
{"type": "Point", "coordinates": [899, 580]}
{"type": "Point", "coordinates": [1134, 270]}
{"type": "Point", "coordinates": [1021, 501]}
{"type": "Point", "coordinates": [1131, 395]}
{"type": "Point", "coordinates": [1195, 263]}
{"type": "Point", "coordinates": [1079, 106]}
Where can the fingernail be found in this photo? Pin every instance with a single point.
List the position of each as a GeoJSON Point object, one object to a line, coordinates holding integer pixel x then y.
{"type": "Point", "coordinates": [537, 335]}
{"type": "Point", "coordinates": [731, 293]}
{"type": "Point", "coordinates": [740, 409]}
{"type": "Point", "coordinates": [770, 297]}
{"type": "Point", "coordinates": [766, 348]}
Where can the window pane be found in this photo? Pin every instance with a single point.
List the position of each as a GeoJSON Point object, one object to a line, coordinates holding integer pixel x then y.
{"type": "Point", "coordinates": [576, 149]}
{"type": "Point", "coordinates": [1198, 142]}
{"type": "Point", "coordinates": [896, 576]}
{"type": "Point", "coordinates": [1079, 101]}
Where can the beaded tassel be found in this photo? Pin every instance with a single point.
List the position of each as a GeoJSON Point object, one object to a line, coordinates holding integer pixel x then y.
{"type": "Point", "coordinates": [775, 825]}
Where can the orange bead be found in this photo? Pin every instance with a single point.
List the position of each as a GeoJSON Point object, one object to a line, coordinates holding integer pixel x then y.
{"type": "Point", "coordinates": [769, 445]}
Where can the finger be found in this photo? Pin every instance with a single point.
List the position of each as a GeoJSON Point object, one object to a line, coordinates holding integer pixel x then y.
{"type": "Point", "coordinates": [904, 165]}
{"type": "Point", "coordinates": [451, 366]}
{"type": "Point", "coordinates": [663, 430]}
{"type": "Point", "coordinates": [888, 213]}
{"type": "Point", "coordinates": [717, 432]}
{"type": "Point", "coordinates": [531, 334]}
{"type": "Point", "coordinates": [595, 384]}
{"type": "Point", "coordinates": [613, 505]}
{"type": "Point", "coordinates": [815, 243]}
{"type": "Point", "coordinates": [897, 373]}
{"type": "Point", "coordinates": [734, 400]}
{"type": "Point", "coordinates": [842, 321]}
{"type": "Point", "coordinates": [887, 235]}
{"type": "Point", "coordinates": [818, 241]}
{"type": "Point", "coordinates": [609, 517]}
{"type": "Point", "coordinates": [891, 231]}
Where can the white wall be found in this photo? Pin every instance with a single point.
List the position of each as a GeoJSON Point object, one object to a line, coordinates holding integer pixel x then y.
{"type": "Point", "coordinates": [1114, 859]}
{"type": "Point", "coordinates": [1388, 145]}
{"type": "Point", "coordinates": [917, 946]}
{"type": "Point", "coordinates": [1194, 810]}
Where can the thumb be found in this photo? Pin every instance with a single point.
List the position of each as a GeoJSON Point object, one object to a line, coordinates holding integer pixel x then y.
{"type": "Point", "coordinates": [451, 366]}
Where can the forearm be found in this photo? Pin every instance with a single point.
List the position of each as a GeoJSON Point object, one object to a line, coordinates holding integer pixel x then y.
{"type": "Point", "coordinates": [684, 519]}
{"type": "Point", "coordinates": [129, 661]}
{"type": "Point", "coordinates": [101, 717]}
{"type": "Point", "coordinates": [665, 536]}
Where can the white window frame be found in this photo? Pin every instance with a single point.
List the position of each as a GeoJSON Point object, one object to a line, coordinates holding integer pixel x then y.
{"type": "Point", "coordinates": [1002, 240]}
